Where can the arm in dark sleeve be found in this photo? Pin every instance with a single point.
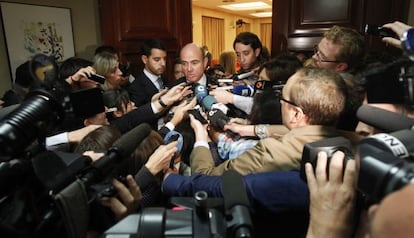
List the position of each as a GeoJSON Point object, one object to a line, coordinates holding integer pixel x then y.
{"type": "Point", "coordinates": [135, 117]}
{"type": "Point", "coordinates": [163, 131]}
{"type": "Point", "coordinates": [145, 178]}
{"type": "Point", "coordinates": [277, 191]}
{"type": "Point", "coordinates": [187, 186]}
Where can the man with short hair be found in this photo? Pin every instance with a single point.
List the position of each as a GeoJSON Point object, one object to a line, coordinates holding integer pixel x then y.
{"type": "Point", "coordinates": [341, 49]}
{"type": "Point", "coordinates": [149, 81]}
{"type": "Point", "coordinates": [194, 63]}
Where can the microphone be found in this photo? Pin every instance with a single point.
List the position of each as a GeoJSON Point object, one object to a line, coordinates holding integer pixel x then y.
{"type": "Point", "coordinates": [200, 91]}
{"type": "Point", "coordinates": [261, 85]}
{"type": "Point", "coordinates": [384, 120]}
{"type": "Point", "coordinates": [218, 120]}
{"type": "Point", "coordinates": [243, 90]}
{"type": "Point", "coordinates": [243, 76]}
{"type": "Point", "coordinates": [120, 150]}
{"type": "Point", "coordinates": [237, 204]}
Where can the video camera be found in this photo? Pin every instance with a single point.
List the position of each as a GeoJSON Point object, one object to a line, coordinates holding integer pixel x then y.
{"type": "Point", "coordinates": [199, 216]}
{"type": "Point", "coordinates": [42, 190]}
{"type": "Point", "coordinates": [386, 161]}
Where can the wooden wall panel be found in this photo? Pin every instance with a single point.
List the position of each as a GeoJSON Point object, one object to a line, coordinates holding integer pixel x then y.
{"type": "Point", "coordinates": [299, 24]}
{"type": "Point", "coordinates": [127, 23]}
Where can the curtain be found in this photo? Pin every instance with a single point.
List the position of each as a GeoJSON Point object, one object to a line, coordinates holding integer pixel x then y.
{"type": "Point", "coordinates": [266, 35]}
{"type": "Point", "coordinates": [213, 35]}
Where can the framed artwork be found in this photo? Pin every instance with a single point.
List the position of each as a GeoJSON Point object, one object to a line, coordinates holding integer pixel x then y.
{"type": "Point", "coordinates": [32, 29]}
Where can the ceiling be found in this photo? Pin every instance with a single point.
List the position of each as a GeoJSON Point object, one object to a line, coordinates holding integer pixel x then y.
{"type": "Point", "coordinates": [214, 5]}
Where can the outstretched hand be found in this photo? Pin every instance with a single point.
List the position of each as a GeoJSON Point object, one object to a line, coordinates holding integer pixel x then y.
{"type": "Point", "coordinates": [127, 201]}
{"type": "Point", "coordinates": [399, 28]}
{"type": "Point", "coordinates": [332, 196]}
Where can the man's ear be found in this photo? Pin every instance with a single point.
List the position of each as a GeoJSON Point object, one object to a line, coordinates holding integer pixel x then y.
{"type": "Point", "coordinates": [297, 115]}
{"type": "Point", "coordinates": [144, 59]}
{"type": "Point", "coordinates": [86, 122]}
{"type": "Point", "coordinates": [342, 67]}
{"type": "Point", "coordinates": [257, 52]}
{"type": "Point", "coordinates": [205, 62]}
{"type": "Point", "coordinates": [118, 113]}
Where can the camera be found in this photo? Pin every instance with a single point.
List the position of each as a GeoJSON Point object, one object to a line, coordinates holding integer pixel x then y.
{"type": "Point", "coordinates": [385, 163]}
{"type": "Point", "coordinates": [198, 216]}
{"type": "Point", "coordinates": [330, 146]}
{"type": "Point", "coordinates": [375, 30]}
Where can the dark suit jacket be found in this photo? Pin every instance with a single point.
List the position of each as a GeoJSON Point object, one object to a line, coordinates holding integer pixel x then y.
{"type": "Point", "coordinates": [183, 80]}
{"type": "Point", "coordinates": [135, 117]}
{"type": "Point", "coordinates": [142, 89]}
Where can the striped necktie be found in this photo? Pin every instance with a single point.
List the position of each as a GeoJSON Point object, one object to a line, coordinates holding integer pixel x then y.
{"type": "Point", "coordinates": [160, 84]}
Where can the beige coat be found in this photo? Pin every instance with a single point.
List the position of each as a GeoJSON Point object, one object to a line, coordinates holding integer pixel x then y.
{"type": "Point", "coordinates": [270, 154]}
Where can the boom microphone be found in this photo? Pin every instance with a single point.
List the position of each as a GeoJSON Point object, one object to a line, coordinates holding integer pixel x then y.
{"type": "Point", "coordinates": [237, 204]}
{"type": "Point", "coordinates": [382, 119]}
{"type": "Point", "coordinates": [120, 150]}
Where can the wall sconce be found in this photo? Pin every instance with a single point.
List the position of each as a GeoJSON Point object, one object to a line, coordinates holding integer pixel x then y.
{"type": "Point", "coordinates": [240, 22]}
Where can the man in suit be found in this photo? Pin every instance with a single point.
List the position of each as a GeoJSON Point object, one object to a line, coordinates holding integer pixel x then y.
{"type": "Point", "coordinates": [149, 81]}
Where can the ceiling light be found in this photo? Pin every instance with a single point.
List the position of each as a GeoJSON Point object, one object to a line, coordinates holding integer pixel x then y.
{"type": "Point", "coordinates": [261, 14]}
{"type": "Point", "coordinates": [246, 6]}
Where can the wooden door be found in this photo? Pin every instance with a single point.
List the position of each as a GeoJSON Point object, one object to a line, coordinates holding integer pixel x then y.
{"type": "Point", "coordinates": [125, 24]}
{"type": "Point", "coordinates": [297, 25]}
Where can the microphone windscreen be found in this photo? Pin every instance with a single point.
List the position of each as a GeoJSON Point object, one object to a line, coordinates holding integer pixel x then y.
{"type": "Point", "coordinates": [243, 90]}
{"type": "Point", "coordinates": [217, 118]}
{"type": "Point", "coordinates": [384, 120]}
{"type": "Point", "coordinates": [244, 75]}
{"type": "Point", "coordinates": [208, 102]}
{"type": "Point", "coordinates": [200, 91]}
{"type": "Point", "coordinates": [128, 142]}
{"type": "Point", "coordinates": [234, 191]}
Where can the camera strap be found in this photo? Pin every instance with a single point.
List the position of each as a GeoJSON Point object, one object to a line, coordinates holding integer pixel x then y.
{"type": "Point", "coordinates": [73, 206]}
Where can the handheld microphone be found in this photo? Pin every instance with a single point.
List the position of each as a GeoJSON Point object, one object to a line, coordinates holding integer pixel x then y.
{"type": "Point", "coordinates": [218, 120]}
{"type": "Point", "coordinates": [243, 90]}
{"type": "Point", "coordinates": [200, 91]}
{"type": "Point", "coordinates": [384, 120]}
{"type": "Point", "coordinates": [243, 76]}
{"type": "Point", "coordinates": [120, 150]}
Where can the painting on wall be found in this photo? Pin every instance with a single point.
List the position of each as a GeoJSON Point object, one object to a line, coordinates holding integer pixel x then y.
{"type": "Point", "coordinates": [32, 29]}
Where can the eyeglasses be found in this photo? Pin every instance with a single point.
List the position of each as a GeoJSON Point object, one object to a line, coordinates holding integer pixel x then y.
{"type": "Point", "coordinates": [320, 59]}
{"type": "Point", "coordinates": [287, 101]}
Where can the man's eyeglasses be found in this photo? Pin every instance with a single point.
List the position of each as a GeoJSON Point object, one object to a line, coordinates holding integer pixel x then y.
{"type": "Point", "coordinates": [320, 59]}
{"type": "Point", "coordinates": [287, 101]}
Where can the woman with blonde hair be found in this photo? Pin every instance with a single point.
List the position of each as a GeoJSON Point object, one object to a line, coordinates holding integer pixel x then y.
{"type": "Point", "coordinates": [107, 65]}
{"type": "Point", "coordinates": [228, 61]}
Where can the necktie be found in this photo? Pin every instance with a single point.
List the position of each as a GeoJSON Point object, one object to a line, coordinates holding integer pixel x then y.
{"type": "Point", "coordinates": [160, 83]}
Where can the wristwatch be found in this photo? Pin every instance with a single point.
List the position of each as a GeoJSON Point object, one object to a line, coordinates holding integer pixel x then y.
{"type": "Point", "coordinates": [407, 41]}
{"type": "Point", "coordinates": [260, 130]}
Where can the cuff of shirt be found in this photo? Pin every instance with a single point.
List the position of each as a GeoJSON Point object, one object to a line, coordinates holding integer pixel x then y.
{"type": "Point", "coordinates": [57, 139]}
{"type": "Point", "coordinates": [154, 108]}
{"type": "Point", "coordinates": [170, 126]}
{"type": "Point", "coordinates": [201, 143]}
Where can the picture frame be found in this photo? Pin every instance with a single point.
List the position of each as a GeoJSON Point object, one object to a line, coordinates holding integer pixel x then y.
{"type": "Point", "coordinates": [31, 29]}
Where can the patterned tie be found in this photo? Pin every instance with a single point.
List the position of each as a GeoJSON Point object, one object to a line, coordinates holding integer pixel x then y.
{"type": "Point", "coordinates": [160, 84]}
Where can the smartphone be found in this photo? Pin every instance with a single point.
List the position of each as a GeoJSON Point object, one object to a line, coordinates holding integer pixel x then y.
{"type": "Point", "coordinates": [380, 31]}
{"type": "Point", "coordinates": [170, 137]}
{"type": "Point", "coordinates": [97, 78]}
{"type": "Point", "coordinates": [197, 115]}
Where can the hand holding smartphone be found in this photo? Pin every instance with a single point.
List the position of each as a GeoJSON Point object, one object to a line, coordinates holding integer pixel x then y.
{"type": "Point", "coordinates": [97, 78]}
